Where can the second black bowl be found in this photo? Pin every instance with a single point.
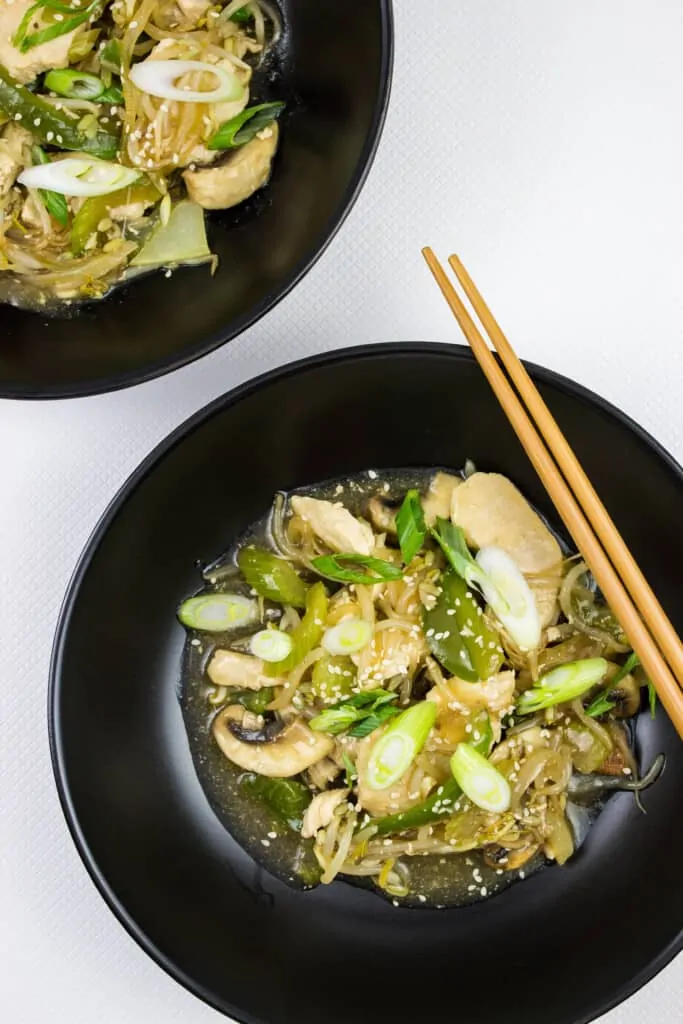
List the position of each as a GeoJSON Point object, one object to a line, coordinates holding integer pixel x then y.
{"type": "Point", "coordinates": [558, 948]}
{"type": "Point", "coordinates": [333, 69]}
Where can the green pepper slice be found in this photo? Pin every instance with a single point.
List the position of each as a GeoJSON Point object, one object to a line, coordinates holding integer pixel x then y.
{"type": "Point", "coordinates": [307, 634]}
{"type": "Point", "coordinates": [287, 798]}
{"type": "Point", "coordinates": [272, 577]}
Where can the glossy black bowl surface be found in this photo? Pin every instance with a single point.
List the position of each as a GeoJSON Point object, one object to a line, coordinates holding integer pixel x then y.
{"type": "Point", "coordinates": [334, 72]}
{"type": "Point", "coordinates": [559, 948]}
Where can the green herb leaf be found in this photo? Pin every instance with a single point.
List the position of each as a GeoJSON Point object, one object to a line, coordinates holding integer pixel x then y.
{"type": "Point", "coordinates": [335, 720]}
{"type": "Point", "coordinates": [349, 569]}
{"type": "Point", "coordinates": [373, 721]}
{"type": "Point", "coordinates": [652, 698]}
{"type": "Point", "coordinates": [244, 126]}
{"type": "Point", "coordinates": [55, 203]}
{"type": "Point", "coordinates": [411, 526]}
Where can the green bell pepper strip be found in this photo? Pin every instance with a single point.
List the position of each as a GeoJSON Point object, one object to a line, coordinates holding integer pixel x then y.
{"type": "Point", "coordinates": [49, 125]}
{"type": "Point", "coordinates": [442, 634]}
{"type": "Point", "coordinates": [307, 634]}
{"type": "Point", "coordinates": [96, 209]}
{"type": "Point", "coordinates": [255, 701]}
{"type": "Point", "coordinates": [272, 577]}
{"type": "Point", "coordinates": [440, 804]}
{"type": "Point", "coordinates": [286, 798]}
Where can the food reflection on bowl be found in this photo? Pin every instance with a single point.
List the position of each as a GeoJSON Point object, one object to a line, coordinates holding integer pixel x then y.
{"type": "Point", "coordinates": [582, 936]}
{"type": "Point", "coordinates": [276, 159]}
{"type": "Point", "coordinates": [390, 709]}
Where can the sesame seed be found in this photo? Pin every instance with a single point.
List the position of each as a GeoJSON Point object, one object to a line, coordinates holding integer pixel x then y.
{"type": "Point", "coordinates": [265, 842]}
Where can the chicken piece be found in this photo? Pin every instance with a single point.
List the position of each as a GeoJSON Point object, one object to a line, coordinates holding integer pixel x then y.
{"type": "Point", "coordinates": [394, 652]}
{"type": "Point", "coordinates": [320, 811]}
{"type": "Point", "coordinates": [193, 10]}
{"type": "Point", "coordinates": [129, 211]}
{"type": "Point", "coordinates": [492, 511]}
{"type": "Point", "coordinates": [335, 525]}
{"type": "Point", "coordinates": [30, 212]}
{"type": "Point", "coordinates": [15, 147]}
{"type": "Point", "coordinates": [229, 668]}
{"type": "Point", "coordinates": [439, 498]}
{"type": "Point", "coordinates": [458, 700]}
{"type": "Point", "coordinates": [410, 790]}
{"type": "Point", "coordinates": [24, 67]}
{"type": "Point", "coordinates": [234, 179]}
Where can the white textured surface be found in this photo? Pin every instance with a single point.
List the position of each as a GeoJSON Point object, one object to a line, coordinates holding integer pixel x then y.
{"type": "Point", "coordinates": [545, 142]}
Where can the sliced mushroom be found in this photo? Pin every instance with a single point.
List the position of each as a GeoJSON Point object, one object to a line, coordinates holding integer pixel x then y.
{"type": "Point", "coordinates": [627, 696]}
{"type": "Point", "coordinates": [320, 811]}
{"type": "Point", "coordinates": [232, 180]}
{"type": "Point", "coordinates": [497, 856]}
{"type": "Point", "coordinates": [229, 668]}
{"type": "Point", "coordinates": [292, 750]}
{"type": "Point", "coordinates": [335, 525]}
{"type": "Point", "coordinates": [382, 515]}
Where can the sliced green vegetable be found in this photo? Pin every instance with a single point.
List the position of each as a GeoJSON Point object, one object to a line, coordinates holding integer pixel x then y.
{"type": "Point", "coordinates": [65, 20]}
{"type": "Point", "coordinates": [256, 701]}
{"type": "Point", "coordinates": [479, 780]}
{"type": "Point", "coordinates": [600, 705]}
{"type": "Point", "coordinates": [350, 773]}
{"type": "Point", "coordinates": [50, 125]}
{"type": "Point", "coordinates": [216, 613]}
{"type": "Point", "coordinates": [74, 84]}
{"type": "Point", "coordinates": [652, 699]}
{"type": "Point", "coordinates": [440, 804]}
{"type": "Point", "coordinates": [442, 632]}
{"type": "Point", "coordinates": [110, 55]}
{"type": "Point", "coordinates": [181, 240]}
{"type": "Point", "coordinates": [272, 577]}
{"type": "Point", "coordinates": [451, 539]}
{"type": "Point", "coordinates": [286, 798]}
{"type": "Point", "coordinates": [353, 568]}
{"type": "Point", "coordinates": [362, 714]}
{"type": "Point", "coordinates": [567, 682]}
{"type": "Point", "coordinates": [411, 526]}
{"type": "Point", "coordinates": [348, 636]}
{"type": "Point", "coordinates": [271, 645]}
{"type": "Point", "coordinates": [96, 209]}
{"type": "Point", "coordinates": [333, 678]}
{"type": "Point", "coordinates": [245, 126]}
{"type": "Point", "coordinates": [55, 203]}
{"type": "Point", "coordinates": [307, 634]}
{"type": "Point", "coordinates": [397, 748]}
{"type": "Point", "coordinates": [631, 662]}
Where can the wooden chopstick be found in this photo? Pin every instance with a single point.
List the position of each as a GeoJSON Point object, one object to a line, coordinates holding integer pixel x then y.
{"type": "Point", "coordinates": [624, 562]}
{"type": "Point", "coordinates": [667, 686]}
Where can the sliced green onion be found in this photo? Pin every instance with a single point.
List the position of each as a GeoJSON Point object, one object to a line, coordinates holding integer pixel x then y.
{"type": "Point", "coordinates": [631, 662]}
{"type": "Point", "coordinates": [365, 712]}
{"type": "Point", "coordinates": [181, 240]}
{"type": "Point", "coordinates": [334, 720]}
{"type": "Point", "coordinates": [55, 203]}
{"type": "Point", "coordinates": [271, 645]}
{"type": "Point", "coordinates": [243, 127]}
{"type": "Point", "coordinates": [451, 539]}
{"type": "Point", "coordinates": [510, 597]}
{"type": "Point", "coordinates": [652, 698]}
{"type": "Point", "coordinates": [216, 613]}
{"type": "Point", "coordinates": [158, 78]}
{"type": "Point", "coordinates": [348, 636]}
{"type": "Point", "coordinates": [411, 526]}
{"type": "Point", "coordinates": [79, 176]}
{"type": "Point", "coordinates": [25, 40]}
{"type": "Point", "coordinates": [562, 684]}
{"type": "Point", "coordinates": [349, 569]}
{"type": "Point", "coordinates": [479, 780]}
{"type": "Point", "coordinates": [78, 85]}
{"type": "Point", "coordinates": [397, 748]}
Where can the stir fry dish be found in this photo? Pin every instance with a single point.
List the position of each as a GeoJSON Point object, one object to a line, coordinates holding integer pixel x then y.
{"type": "Point", "coordinates": [405, 680]}
{"type": "Point", "coordinates": [120, 124]}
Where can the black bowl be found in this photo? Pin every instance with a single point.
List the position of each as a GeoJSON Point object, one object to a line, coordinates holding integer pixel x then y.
{"type": "Point", "coordinates": [334, 71]}
{"type": "Point", "coordinates": [559, 948]}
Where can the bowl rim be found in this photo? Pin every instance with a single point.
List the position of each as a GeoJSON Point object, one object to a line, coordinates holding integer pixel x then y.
{"type": "Point", "coordinates": [160, 367]}
{"type": "Point", "coordinates": [458, 353]}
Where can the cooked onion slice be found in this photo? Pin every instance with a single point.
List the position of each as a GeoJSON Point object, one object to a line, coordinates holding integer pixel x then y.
{"type": "Point", "coordinates": [510, 597]}
{"type": "Point", "coordinates": [159, 77]}
{"type": "Point", "coordinates": [349, 636]}
{"type": "Point", "coordinates": [79, 176]}
{"type": "Point", "coordinates": [479, 780]}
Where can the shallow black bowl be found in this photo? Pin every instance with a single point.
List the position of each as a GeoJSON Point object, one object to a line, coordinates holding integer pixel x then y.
{"type": "Point", "coordinates": [559, 948]}
{"type": "Point", "coordinates": [334, 72]}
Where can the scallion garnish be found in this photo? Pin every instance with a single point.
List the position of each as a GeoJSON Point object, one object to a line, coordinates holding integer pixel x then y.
{"type": "Point", "coordinates": [55, 203]}
{"type": "Point", "coordinates": [71, 18]}
{"type": "Point", "coordinates": [271, 645]}
{"type": "Point", "coordinates": [347, 637]}
{"type": "Point", "coordinates": [397, 748]}
{"type": "Point", "coordinates": [78, 85]}
{"type": "Point", "coordinates": [244, 126]}
{"type": "Point", "coordinates": [216, 613]}
{"type": "Point", "coordinates": [652, 698]}
{"type": "Point", "coordinates": [603, 703]}
{"type": "Point", "coordinates": [349, 569]}
{"type": "Point", "coordinates": [562, 684]}
{"type": "Point", "coordinates": [479, 780]}
{"type": "Point", "coordinates": [411, 526]}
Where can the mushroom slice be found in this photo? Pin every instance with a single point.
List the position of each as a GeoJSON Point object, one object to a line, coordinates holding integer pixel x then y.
{"type": "Point", "coordinates": [293, 750]}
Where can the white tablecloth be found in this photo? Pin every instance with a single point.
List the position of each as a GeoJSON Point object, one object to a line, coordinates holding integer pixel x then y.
{"type": "Point", "coordinates": [544, 141]}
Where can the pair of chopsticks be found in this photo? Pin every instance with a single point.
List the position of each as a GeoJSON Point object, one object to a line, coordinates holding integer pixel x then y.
{"type": "Point", "coordinates": [626, 590]}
